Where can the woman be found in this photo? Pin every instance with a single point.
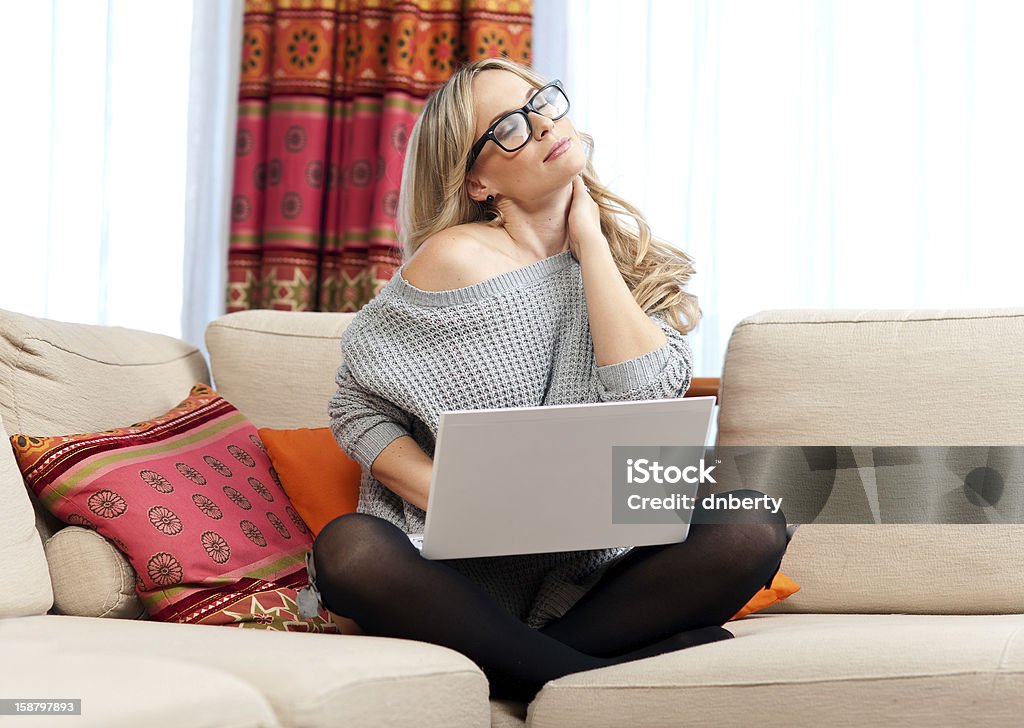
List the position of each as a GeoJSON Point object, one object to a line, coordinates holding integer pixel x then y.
{"type": "Point", "coordinates": [521, 286]}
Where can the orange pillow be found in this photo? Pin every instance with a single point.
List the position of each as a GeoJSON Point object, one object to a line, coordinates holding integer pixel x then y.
{"type": "Point", "coordinates": [321, 481]}
{"type": "Point", "coordinates": [782, 587]}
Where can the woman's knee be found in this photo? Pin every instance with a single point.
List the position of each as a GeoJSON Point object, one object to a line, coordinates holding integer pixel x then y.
{"type": "Point", "coordinates": [353, 545]}
{"type": "Point", "coordinates": [764, 528]}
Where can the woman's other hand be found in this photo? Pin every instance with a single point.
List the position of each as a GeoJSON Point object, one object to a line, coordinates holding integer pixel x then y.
{"type": "Point", "coordinates": [584, 219]}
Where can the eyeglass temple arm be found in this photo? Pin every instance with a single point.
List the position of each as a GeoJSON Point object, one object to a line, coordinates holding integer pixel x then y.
{"type": "Point", "coordinates": [475, 151]}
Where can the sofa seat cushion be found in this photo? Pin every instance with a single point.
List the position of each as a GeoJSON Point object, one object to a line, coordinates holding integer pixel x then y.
{"type": "Point", "coordinates": [120, 691]}
{"type": "Point", "coordinates": [308, 679]}
{"type": "Point", "coordinates": [507, 713]}
{"type": "Point", "coordinates": [811, 669]}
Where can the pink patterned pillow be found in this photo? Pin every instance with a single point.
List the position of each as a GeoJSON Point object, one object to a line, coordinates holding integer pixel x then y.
{"type": "Point", "coordinates": [192, 500]}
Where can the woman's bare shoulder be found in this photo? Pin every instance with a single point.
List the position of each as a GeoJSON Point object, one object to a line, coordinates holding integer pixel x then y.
{"type": "Point", "coordinates": [453, 258]}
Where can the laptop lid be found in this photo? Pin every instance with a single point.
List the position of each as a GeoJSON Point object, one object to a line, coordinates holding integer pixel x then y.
{"type": "Point", "coordinates": [539, 479]}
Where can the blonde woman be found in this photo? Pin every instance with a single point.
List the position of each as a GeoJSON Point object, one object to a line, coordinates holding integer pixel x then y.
{"type": "Point", "coordinates": [522, 285]}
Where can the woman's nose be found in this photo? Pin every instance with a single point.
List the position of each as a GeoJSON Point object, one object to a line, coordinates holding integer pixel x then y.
{"type": "Point", "coordinates": [541, 125]}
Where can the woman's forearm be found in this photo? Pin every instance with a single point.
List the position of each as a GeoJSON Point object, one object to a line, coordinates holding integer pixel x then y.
{"type": "Point", "coordinates": [405, 469]}
{"type": "Point", "coordinates": [618, 326]}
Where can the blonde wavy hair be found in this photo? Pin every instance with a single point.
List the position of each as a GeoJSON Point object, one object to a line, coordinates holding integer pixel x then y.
{"type": "Point", "coordinates": [433, 197]}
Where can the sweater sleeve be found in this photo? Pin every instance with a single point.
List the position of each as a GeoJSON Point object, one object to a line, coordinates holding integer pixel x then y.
{"type": "Point", "coordinates": [660, 374]}
{"type": "Point", "coordinates": [363, 423]}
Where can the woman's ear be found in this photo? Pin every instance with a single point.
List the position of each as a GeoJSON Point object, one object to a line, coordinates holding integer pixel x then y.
{"type": "Point", "coordinates": [476, 189]}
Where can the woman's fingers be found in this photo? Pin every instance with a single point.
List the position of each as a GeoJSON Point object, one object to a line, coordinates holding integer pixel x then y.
{"type": "Point", "coordinates": [578, 183]}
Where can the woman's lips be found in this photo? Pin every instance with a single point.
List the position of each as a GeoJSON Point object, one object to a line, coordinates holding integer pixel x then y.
{"type": "Point", "coordinates": [559, 148]}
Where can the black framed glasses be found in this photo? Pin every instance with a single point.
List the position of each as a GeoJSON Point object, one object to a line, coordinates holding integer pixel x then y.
{"type": "Point", "coordinates": [513, 130]}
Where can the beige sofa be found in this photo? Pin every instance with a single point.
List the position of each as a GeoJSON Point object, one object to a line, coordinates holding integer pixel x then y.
{"type": "Point", "coordinates": [910, 625]}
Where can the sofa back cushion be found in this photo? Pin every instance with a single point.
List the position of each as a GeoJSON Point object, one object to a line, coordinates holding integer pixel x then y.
{"type": "Point", "coordinates": [293, 355]}
{"type": "Point", "coordinates": [56, 378]}
{"type": "Point", "coordinates": [899, 377]}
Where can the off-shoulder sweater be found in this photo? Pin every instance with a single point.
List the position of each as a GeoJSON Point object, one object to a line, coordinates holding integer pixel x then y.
{"type": "Point", "coordinates": [519, 339]}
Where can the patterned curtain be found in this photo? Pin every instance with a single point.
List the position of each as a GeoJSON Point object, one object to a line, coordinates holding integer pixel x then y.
{"type": "Point", "coordinates": [329, 93]}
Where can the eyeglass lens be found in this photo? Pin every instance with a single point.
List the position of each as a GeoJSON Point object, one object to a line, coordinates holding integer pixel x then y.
{"type": "Point", "coordinates": [513, 132]}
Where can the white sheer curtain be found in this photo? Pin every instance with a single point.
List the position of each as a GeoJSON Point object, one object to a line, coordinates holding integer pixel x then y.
{"type": "Point", "coordinates": [212, 117]}
{"type": "Point", "coordinates": [808, 153]}
{"type": "Point", "coordinates": [98, 133]}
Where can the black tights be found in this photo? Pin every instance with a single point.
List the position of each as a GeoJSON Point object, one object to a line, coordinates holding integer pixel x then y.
{"type": "Point", "coordinates": [655, 599]}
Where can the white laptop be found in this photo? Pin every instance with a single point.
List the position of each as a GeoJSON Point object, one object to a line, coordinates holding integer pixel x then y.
{"type": "Point", "coordinates": [539, 479]}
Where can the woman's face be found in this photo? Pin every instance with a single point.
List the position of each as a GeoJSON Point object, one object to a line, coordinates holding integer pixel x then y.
{"type": "Point", "coordinates": [523, 174]}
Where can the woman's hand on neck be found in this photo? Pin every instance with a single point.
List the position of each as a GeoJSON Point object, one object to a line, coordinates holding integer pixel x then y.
{"type": "Point", "coordinates": [538, 228]}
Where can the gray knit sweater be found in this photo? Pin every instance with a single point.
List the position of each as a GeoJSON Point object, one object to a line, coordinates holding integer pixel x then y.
{"type": "Point", "coordinates": [519, 339]}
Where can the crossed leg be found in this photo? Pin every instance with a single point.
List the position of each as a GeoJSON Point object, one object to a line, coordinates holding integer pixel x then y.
{"type": "Point", "coordinates": [654, 592]}
{"type": "Point", "coordinates": [656, 599]}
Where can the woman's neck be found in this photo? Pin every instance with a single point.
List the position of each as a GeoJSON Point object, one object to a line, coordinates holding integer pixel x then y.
{"type": "Point", "coordinates": [539, 230]}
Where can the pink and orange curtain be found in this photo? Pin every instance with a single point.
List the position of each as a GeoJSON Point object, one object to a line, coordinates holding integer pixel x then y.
{"type": "Point", "coordinates": [330, 91]}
